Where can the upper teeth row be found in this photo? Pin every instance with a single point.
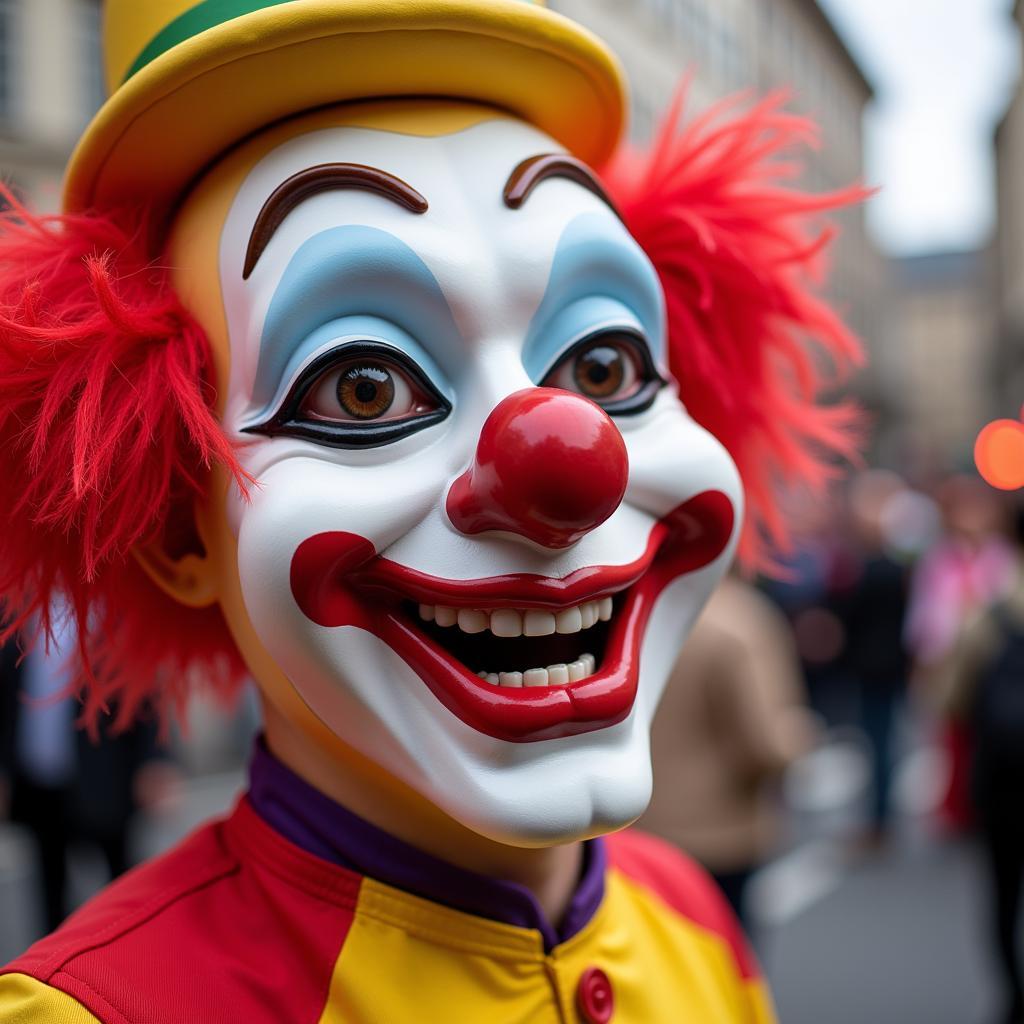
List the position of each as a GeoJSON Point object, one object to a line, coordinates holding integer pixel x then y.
{"type": "Point", "coordinates": [513, 622]}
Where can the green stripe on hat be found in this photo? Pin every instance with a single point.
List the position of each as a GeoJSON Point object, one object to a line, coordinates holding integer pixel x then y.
{"type": "Point", "coordinates": [206, 15]}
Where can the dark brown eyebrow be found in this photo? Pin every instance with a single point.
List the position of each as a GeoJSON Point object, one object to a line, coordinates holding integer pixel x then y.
{"type": "Point", "coordinates": [323, 178]}
{"type": "Point", "coordinates": [535, 169]}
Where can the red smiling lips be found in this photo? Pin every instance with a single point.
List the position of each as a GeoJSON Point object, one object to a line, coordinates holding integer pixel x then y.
{"type": "Point", "coordinates": [339, 580]}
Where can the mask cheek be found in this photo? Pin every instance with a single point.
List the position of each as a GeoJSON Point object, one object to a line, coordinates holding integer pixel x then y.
{"type": "Point", "coordinates": [672, 458]}
{"type": "Point", "coordinates": [675, 612]}
{"type": "Point", "coordinates": [291, 657]}
{"type": "Point", "coordinates": [297, 499]}
{"type": "Point", "coordinates": [267, 536]}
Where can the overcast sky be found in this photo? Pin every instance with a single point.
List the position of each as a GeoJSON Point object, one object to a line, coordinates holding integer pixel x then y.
{"type": "Point", "coordinates": [943, 71]}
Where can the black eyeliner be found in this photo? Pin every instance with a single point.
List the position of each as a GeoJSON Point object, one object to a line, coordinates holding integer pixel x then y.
{"type": "Point", "coordinates": [287, 421]}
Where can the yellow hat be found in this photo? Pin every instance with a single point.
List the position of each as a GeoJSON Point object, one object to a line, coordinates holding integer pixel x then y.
{"type": "Point", "coordinates": [189, 79]}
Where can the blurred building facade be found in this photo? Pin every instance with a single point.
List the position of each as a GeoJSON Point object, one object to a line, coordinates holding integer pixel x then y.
{"type": "Point", "coordinates": [733, 45]}
{"type": "Point", "coordinates": [1008, 290]}
{"type": "Point", "coordinates": [51, 83]}
{"type": "Point", "coordinates": [940, 330]}
{"type": "Point", "coordinates": [953, 344]}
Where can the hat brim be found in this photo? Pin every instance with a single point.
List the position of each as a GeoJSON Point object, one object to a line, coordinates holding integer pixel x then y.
{"type": "Point", "coordinates": [175, 116]}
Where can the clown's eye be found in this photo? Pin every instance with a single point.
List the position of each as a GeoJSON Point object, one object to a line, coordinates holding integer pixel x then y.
{"type": "Point", "coordinates": [365, 390]}
{"type": "Point", "coordinates": [362, 395]}
{"type": "Point", "coordinates": [612, 368]}
{"type": "Point", "coordinates": [603, 372]}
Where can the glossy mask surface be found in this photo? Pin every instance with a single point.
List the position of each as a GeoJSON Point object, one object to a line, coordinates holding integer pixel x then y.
{"type": "Point", "coordinates": [384, 373]}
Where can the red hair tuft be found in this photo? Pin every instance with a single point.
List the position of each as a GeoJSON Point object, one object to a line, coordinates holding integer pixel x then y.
{"type": "Point", "coordinates": [739, 261]}
{"type": "Point", "coordinates": [107, 438]}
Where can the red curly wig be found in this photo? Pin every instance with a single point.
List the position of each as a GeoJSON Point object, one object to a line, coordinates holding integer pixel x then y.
{"type": "Point", "coordinates": [108, 435]}
{"type": "Point", "coordinates": [107, 439]}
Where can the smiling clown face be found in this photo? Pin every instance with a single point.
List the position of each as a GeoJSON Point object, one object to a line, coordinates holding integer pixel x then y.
{"type": "Point", "coordinates": [484, 523]}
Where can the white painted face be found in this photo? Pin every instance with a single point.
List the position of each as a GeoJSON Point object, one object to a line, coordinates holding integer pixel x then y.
{"type": "Point", "coordinates": [369, 345]}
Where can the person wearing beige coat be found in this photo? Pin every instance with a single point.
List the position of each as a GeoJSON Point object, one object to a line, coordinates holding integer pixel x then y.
{"type": "Point", "coordinates": [731, 720]}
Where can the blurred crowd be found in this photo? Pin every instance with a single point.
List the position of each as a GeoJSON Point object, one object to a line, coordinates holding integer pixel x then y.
{"type": "Point", "coordinates": [89, 807]}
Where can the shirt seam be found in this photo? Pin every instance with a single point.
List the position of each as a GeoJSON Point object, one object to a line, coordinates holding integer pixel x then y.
{"type": "Point", "coordinates": [97, 1005]}
{"type": "Point", "coordinates": [342, 890]}
{"type": "Point", "coordinates": [167, 897]}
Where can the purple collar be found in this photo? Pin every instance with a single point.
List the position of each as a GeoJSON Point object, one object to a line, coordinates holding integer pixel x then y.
{"type": "Point", "coordinates": [318, 825]}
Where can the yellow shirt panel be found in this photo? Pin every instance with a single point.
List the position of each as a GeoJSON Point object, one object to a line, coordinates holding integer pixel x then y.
{"type": "Point", "coordinates": [23, 1000]}
{"type": "Point", "coordinates": [408, 960]}
{"type": "Point", "coordinates": [662, 967]}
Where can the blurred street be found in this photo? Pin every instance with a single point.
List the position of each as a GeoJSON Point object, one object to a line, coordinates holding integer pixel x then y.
{"type": "Point", "coordinates": [205, 797]}
{"type": "Point", "coordinates": [839, 959]}
{"type": "Point", "coordinates": [831, 955]}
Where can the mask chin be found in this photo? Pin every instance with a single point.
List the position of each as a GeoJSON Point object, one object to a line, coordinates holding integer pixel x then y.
{"type": "Point", "coordinates": [563, 791]}
{"type": "Point", "coordinates": [559, 791]}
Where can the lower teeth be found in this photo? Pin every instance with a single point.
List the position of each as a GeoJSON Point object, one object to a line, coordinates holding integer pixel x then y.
{"type": "Point", "coordinates": [553, 675]}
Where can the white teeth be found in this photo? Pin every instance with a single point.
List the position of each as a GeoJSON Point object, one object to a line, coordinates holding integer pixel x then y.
{"type": "Point", "coordinates": [472, 621]}
{"type": "Point", "coordinates": [537, 623]}
{"type": "Point", "coordinates": [445, 616]}
{"type": "Point", "coordinates": [513, 622]}
{"type": "Point", "coordinates": [569, 621]}
{"type": "Point", "coordinates": [558, 675]}
{"type": "Point", "coordinates": [553, 675]}
{"type": "Point", "coordinates": [535, 677]}
{"type": "Point", "coordinates": [506, 622]}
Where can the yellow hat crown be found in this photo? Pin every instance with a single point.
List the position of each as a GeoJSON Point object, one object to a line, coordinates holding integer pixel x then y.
{"type": "Point", "coordinates": [136, 33]}
{"type": "Point", "coordinates": [190, 79]}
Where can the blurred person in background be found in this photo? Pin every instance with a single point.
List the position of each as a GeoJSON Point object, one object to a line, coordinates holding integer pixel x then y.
{"type": "Point", "coordinates": [731, 720]}
{"type": "Point", "coordinates": [969, 567]}
{"type": "Point", "coordinates": [872, 609]}
{"type": "Point", "coordinates": [63, 787]}
{"type": "Point", "coordinates": [805, 590]}
{"type": "Point", "coordinates": [984, 690]}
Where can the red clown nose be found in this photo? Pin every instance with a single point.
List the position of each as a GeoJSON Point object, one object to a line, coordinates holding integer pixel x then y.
{"type": "Point", "coordinates": [550, 466]}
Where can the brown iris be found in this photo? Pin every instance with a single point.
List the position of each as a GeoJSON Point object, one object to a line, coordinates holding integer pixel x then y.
{"type": "Point", "coordinates": [366, 392]}
{"type": "Point", "coordinates": [599, 371]}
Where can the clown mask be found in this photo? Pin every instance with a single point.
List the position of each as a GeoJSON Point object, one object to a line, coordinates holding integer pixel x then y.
{"type": "Point", "coordinates": [483, 523]}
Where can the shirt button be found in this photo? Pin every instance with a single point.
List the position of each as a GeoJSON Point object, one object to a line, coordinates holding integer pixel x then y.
{"type": "Point", "coordinates": [594, 997]}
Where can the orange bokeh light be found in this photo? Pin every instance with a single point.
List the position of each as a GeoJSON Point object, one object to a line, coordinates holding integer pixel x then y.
{"type": "Point", "coordinates": [999, 454]}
